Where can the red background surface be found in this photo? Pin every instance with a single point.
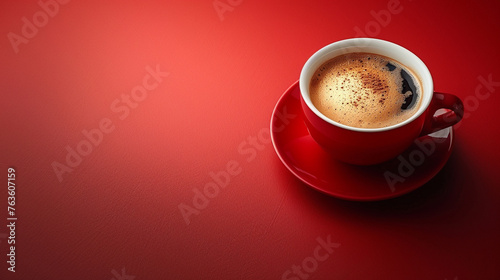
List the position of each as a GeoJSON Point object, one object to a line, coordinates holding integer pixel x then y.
{"type": "Point", "coordinates": [119, 207]}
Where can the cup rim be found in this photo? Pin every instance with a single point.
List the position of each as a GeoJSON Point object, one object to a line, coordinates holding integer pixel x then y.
{"type": "Point", "coordinates": [360, 45]}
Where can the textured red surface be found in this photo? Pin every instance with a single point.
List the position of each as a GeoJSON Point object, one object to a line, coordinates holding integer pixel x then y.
{"type": "Point", "coordinates": [116, 214]}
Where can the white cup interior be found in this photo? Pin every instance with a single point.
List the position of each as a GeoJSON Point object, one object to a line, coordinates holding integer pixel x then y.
{"type": "Point", "coordinates": [368, 45]}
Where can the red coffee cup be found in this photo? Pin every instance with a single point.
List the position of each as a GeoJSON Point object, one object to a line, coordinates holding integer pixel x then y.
{"type": "Point", "coordinates": [366, 146]}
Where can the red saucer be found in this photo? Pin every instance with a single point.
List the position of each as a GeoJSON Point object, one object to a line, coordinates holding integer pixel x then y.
{"type": "Point", "coordinates": [311, 164]}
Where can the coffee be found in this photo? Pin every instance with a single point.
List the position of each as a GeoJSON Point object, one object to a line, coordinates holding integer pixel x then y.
{"type": "Point", "coordinates": [365, 90]}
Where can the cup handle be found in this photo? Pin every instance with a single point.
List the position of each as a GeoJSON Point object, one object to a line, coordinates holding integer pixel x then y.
{"type": "Point", "coordinates": [443, 101]}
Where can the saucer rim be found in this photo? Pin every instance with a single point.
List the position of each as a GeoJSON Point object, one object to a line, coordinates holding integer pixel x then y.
{"type": "Point", "coordinates": [392, 195]}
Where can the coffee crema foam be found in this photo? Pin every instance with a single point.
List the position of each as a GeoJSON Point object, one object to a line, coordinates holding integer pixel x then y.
{"type": "Point", "coordinates": [365, 90]}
